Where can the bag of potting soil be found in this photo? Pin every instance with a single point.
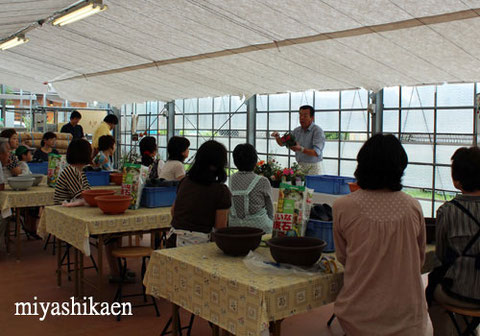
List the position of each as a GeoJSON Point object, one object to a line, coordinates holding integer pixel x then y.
{"type": "Point", "coordinates": [55, 166]}
{"type": "Point", "coordinates": [134, 178]}
{"type": "Point", "coordinates": [293, 211]}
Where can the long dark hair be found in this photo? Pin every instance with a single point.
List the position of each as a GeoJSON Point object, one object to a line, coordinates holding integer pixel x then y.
{"type": "Point", "coordinates": [148, 146]}
{"type": "Point", "coordinates": [210, 163]}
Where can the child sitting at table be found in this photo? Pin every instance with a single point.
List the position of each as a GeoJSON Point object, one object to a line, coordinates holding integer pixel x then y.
{"type": "Point", "coordinates": [177, 149]}
{"type": "Point", "coordinates": [47, 144]}
{"type": "Point", "coordinates": [203, 200]}
{"type": "Point", "coordinates": [106, 148]}
{"type": "Point", "coordinates": [72, 180]}
{"type": "Point", "coordinates": [24, 155]}
{"type": "Point", "coordinates": [251, 193]}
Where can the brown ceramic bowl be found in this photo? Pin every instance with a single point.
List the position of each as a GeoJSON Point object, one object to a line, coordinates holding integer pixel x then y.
{"type": "Point", "coordinates": [113, 204]}
{"type": "Point", "coordinates": [89, 195]}
{"type": "Point", "coordinates": [430, 224]}
{"type": "Point", "coordinates": [238, 240]}
{"type": "Point", "coordinates": [116, 178]}
{"type": "Point", "coordinates": [299, 251]}
{"type": "Point", "coordinates": [353, 186]}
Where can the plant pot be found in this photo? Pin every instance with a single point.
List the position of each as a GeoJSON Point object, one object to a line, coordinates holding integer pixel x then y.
{"type": "Point", "coordinates": [89, 195]}
{"type": "Point", "coordinates": [299, 251]}
{"type": "Point", "coordinates": [275, 184]}
{"type": "Point", "coordinates": [113, 204]}
{"type": "Point", "coordinates": [238, 240]}
{"type": "Point", "coordinates": [116, 178]}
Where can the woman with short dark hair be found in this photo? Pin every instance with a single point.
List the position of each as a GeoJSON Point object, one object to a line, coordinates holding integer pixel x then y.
{"type": "Point", "coordinates": [177, 149]}
{"type": "Point", "coordinates": [72, 180]}
{"type": "Point", "coordinates": [379, 235]}
{"type": "Point", "coordinates": [251, 193]}
{"type": "Point", "coordinates": [457, 281]}
{"type": "Point", "coordinates": [203, 199]}
{"type": "Point", "coordinates": [48, 142]}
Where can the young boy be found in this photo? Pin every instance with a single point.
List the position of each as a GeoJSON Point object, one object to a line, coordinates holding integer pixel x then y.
{"type": "Point", "coordinates": [24, 155]}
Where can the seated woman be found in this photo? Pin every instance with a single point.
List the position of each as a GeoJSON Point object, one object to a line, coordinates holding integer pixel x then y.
{"type": "Point", "coordinates": [177, 149]}
{"type": "Point", "coordinates": [148, 151]}
{"type": "Point", "coordinates": [106, 148]}
{"type": "Point", "coordinates": [203, 199]}
{"type": "Point", "coordinates": [379, 235]}
{"type": "Point", "coordinates": [251, 193]}
{"type": "Point", "coordinates": [12, 169]}
{"type": "Point", "coordinates": [457, 281]}
{"type": "Point", "coordinates": [49, 140]}
{"type": "Point", "coordinates": [72, 180]}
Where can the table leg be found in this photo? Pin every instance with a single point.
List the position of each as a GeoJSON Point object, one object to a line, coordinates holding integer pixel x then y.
{"type": "Point", "coordinates": [59, 262]}
{"type": "Point", "coordinates": [18, 234]}
{"type": "Point", "coordinates": [76, 272]}
{"type": "Point", "coordinates": [175, 320]}
{"type": "Point", "coordinates": [81, 274]}
{"type": "Point", "coordinates": [276, 327]}
{"type": "Point", "coordinates": [100, 264]}
{"type": "Point", "coordinates": [7, 235]}
{"type": "Point", "coordinates": [215, 330]}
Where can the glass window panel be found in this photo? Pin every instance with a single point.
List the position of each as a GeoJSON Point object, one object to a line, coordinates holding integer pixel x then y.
{"type": "Point", "coordinates": [301, 98]}
{"type": "Point", "coordinates": [418, 96]}
{"type": "Point", "coordinates": [205, 105]}
{"type": "Point", "coordinates": [274, 148]}
{"type": "Point", "coordinates": [190, 121]}
{"type": "Point", "coordinates": [327, 100]}
{"type": "Point", "coordinates": [262, 157]}
{"type": "Point", "coordinates": [234, 142]}
{"type": "Point", "coordinates": [328, 121]}
{"type": "Point", "coordinates": [331, 149]}
{"type": "Point", "coordinates": [391, 96]}
{"type": "Point", "coordinates": [426, 207]}
{"type": "Point", "coordinates": [261, 145]}
{"type": "Point", "coordinates": [239, 121]}
{"type": "Point", "coordinates": [354, 121]}
{"type": "Point", "coordinates": [455, 95]}
{"type": "Point", "coordinates": [220, 120]}
{"type": "Point", "coordinates": [347, 168]}
{"type": "Point", "coordinates": [238, 103]}
{"type": "Point", "coordinates": [162, 140]}
{"type": "Point", "coordinates": [193, 142]}
{"type": "Point", "coordinates": [190, 105]}
{"type": "Point", "coordinates": [417, 121]}
{"type": "Point", "coordinates": [221, 104]}
{"type": "Point", "coordinates": [390, 121]}
{"type": "Point", "coordinates": [354, 99]}
{"type": "Point", "coordinates": [443, 179]}
{"type": "Point", "coordinates": [162, 122]}
{"type": "Point", "coordinates": [294, 120]}
{"type": "Point", "coordinates": [444, 153]}
{"type": "Point", "coordinates": [205, 121]}
{"type": "Point", "coordinates": [419, 153]}
{"type": "Point", "coordinates": [224, 141]}
{"type": "Point", "coordinates": [455, 121]}
{"type": "Point", "coordinates": [262, 102]}
{"type": "Point", "coordinates": [178, 122]}
{"type": "Point", "coordinates": [282, 160]}
{"type": "Point", "coordinates": [179, 106]}
{"type": "Point", "coordinates": [278, 121]}
{"type": "Point", "coordinates": [418, 176]}
{"type": "Point", "coordinates": [329, 167]}
{"type": "Point", "coordinates": [128, 109]}
{"type": "Point", "coordinates": [141, 108]}
{"type": "Point", "coordinates": [162, 152]}
{"type": "Point", "coordinates": [279, 102]}
{"type": "Point", "coordinates": [261, 120]}
{"type": "Point", "coordinates": [350, 149]}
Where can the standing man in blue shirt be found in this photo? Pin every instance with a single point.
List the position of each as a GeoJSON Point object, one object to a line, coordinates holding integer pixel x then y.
{"type": "Point", "coordinates": [310, 141]}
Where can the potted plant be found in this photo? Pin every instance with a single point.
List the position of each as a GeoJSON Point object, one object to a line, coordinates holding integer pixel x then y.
{"type": "Point", "coordinates": [271, 170]}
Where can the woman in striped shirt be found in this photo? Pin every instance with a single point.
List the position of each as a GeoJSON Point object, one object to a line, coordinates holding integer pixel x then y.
{"type": "Point", "coordinates": [72, 180]}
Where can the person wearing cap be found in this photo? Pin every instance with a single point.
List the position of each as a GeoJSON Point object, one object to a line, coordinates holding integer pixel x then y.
{"type": "Point", "coordinates": [24, 155]}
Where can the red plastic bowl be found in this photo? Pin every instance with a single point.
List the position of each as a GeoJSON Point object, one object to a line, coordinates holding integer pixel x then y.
{"type": "Point", "coordinates": [116, 178]}
{"type": "Point", "coordinates": [89, 195]}
{"type": "Point", "coordinates": [113, 204]}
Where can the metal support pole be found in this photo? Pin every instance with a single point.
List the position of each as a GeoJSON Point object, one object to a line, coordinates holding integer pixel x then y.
{"type": "Point", "coordinates": [117, 134]}
{"type": "Point", "coordinates": [375, 108]}
{"type": "Point", "coordinates": [251, 119]}
{"type": "Point", "coordinates": [170, 119]}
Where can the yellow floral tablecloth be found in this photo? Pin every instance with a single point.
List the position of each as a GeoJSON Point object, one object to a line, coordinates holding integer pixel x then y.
{"type": "Point", "coordinates": [76, 225]}
{"type": "Point", "coordinates": [221, 289]}
{"type": "Point", "coordinates": [41, 195]}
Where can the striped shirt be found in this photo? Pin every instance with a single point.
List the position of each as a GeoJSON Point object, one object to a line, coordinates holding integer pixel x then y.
{"type": "Point", "coordinates": [70, 184]}
{"type": "Point", "coordinates": [453, 232]}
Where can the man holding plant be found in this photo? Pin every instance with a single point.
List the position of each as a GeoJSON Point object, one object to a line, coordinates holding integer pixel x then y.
{"type": "Point", "coordinates": [307, 141]}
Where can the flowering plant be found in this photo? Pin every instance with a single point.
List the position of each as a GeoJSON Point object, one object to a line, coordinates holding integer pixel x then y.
{"type": "Point", "coordinates": [288, 139]}
{"type": "Point", "coordinates": [269, 169]}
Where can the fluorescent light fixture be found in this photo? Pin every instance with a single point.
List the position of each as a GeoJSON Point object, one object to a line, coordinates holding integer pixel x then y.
{"type": "Point", "coordinates": [89, 8]}
{"type": "Point", "coordinates": [13, 42]}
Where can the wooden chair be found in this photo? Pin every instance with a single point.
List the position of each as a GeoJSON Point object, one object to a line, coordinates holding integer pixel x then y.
{"type": "Point", "coordinates": [129, 252]}
{"type": "Point", "coordinates": [470, 316]}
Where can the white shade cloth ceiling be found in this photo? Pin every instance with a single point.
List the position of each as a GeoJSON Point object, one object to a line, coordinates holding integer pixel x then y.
{"type": "Point", "coordinates": [132, 33]}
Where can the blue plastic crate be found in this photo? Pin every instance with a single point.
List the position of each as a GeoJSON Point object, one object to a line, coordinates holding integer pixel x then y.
{"type": "Point", "coordinates": [101, 178]}
{"type": "Point", "coordinates": [329, 184]}
{"type": "Point", "coordinates": [38, 167]}
{"type": "Point", "coordinates": [154, 197]}
{"type": "Point", "coordinates": [323, 231]}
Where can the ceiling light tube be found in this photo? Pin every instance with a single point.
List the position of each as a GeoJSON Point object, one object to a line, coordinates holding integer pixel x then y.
{"type": "Point", "coordinates": [13, 42]}
{"type": "Point", "coordinates": [79, 13]}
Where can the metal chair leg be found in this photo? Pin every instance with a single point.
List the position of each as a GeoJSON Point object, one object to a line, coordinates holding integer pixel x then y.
{"type": "Point", "coordinates": [47, 241]}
